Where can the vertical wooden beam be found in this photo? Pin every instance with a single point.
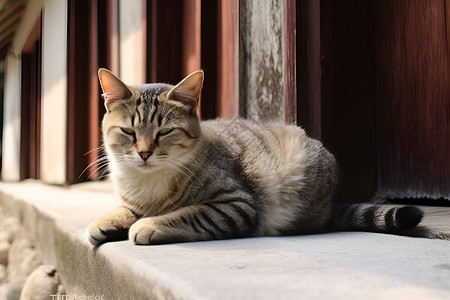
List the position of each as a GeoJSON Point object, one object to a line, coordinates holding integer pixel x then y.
{"type": "Point", "coordinates": [93, 90]}
{"type": "Point", "coordinates": [37, 154]}
{"type": "Point", "coordinates": [30, 119]}
{"type": "Point", "coordinates": [25, 117]}
{"type": "Point", "coordinates": [152, 35]}
{"type": "Point", "coordinates": [108, 35]}
{"type": "Point", "coordinates": [191, 31]}
{"type": "Point", "coordinates": [32, 106]}
{"type": "Point", "coordinates": [78, 89]}
{"type": "Point", "coordinates": [309, 67]}
{"type": "Point", "coordinates": [290, 65]}
{"type": "Point", "coordinates": [72, 87]}
{"type": "Point", "coordinates": [144, 35]}
{"type": "Point", "coordinates": [164, 41]}
{"type": "Point", "coordinates": [228, 59]}
{"type": "Point", "coordinates": [113, 36]}
{"type": "Point", "coordinates": [209, 34]}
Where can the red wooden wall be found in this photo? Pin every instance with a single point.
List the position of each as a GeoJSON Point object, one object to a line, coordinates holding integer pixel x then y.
{"type": "Point", "coordinates": [373, 85]}
{"type": "Point", "coordinates": [412, 69]}
{"type": "Point", "coordinates": [368, 78]}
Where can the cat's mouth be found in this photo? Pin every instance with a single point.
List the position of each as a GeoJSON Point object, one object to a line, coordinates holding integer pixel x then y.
{"type": "Point", "coordinates": [142, 165]}
{"type": "Point", "coordinates": [145, 166]}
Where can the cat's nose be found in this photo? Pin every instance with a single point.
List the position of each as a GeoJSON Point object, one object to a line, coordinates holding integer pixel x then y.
{"type": "Point", "coordinates": [145, 154]}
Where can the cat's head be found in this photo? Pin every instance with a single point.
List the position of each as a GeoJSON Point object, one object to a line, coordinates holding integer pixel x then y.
{"type": "Point", "coordinates": [150, 126]}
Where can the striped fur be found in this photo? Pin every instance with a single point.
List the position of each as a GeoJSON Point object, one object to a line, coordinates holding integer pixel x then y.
{"type": "Point", "coordinates": [183, 180]}
{"type": "Point", "coordinates": [375, 218]}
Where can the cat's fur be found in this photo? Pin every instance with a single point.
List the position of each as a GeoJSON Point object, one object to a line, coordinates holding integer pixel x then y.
{"type": "Point", "coordinates": [182, 180]}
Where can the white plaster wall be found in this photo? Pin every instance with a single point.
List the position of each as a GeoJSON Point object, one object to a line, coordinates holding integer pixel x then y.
{"type": "Point", "coordinates": [132, 41]}
{"type": "Point", "coordinates": [12, 93]}
{"type": "Point", "coordinates": [54, 92]}
{"type": "Point", "coordinates": [11, 120]}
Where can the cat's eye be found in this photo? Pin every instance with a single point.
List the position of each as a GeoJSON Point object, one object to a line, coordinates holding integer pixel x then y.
{"type": "Point", "coordinates": [127, 130]}
{"type": "Point", "coordinates": [165, 131]}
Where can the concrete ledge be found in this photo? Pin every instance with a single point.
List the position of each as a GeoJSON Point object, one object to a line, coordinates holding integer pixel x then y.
{"type": "Point", "coordinates": [329, 266]}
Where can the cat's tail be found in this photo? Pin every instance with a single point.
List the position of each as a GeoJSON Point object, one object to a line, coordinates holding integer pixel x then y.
{"type": "Point", "coordinates": [375, 218]}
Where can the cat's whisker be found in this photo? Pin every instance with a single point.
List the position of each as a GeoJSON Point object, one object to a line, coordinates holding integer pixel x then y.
{"type": "Point", "coordinates": [93, 164]}
{"type": "Point", "coordinates": [102, 169]}
{"type": "Point", "coordinates": [95, 149]}
{"type": "Point", "coordinates": [181, 168]}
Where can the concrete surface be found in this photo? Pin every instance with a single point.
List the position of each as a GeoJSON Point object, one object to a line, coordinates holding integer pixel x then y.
{"type": "Point", "coordinates": [351, 265]}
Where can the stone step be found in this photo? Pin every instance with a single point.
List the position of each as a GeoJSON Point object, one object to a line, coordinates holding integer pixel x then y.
{"type": "Point", "coordinates": [351, 265]}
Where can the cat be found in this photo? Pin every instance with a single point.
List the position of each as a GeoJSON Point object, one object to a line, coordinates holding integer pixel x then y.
{"type": "Point", "coordinates": [181, 179]}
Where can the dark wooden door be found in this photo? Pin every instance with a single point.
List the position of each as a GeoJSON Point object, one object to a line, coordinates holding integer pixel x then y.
{"type": "Point", "coordinates": [378, 95]}
{"type": "Point", "coordinates": [31, 105]}
{"type": "Point", "coordinates": [412, 96]}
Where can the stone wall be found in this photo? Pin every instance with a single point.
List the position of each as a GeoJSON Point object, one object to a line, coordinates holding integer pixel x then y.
{"type": "Point", "coordinates": [22, 275]}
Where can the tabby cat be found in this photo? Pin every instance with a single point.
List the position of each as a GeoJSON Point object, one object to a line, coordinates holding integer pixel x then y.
{"type": "Point", "coordinates": [183, 180]}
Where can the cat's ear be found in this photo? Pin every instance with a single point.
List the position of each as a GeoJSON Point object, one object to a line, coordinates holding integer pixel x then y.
{"type": "Point", "coordinates": [113, 88]}
{"type": "Point", "coordinates": [188, 90]}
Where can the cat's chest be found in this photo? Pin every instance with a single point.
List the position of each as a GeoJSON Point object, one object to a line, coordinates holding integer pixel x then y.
{"type": "Point", "coordinates": [147, 194]}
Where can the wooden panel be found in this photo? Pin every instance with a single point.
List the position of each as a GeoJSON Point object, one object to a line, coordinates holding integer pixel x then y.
{"type": "Point", "coordinates": [108, 57]}
{"type": "Point", "coordinates": [25, 117]}
{"type": "Point", "coordinates": [290, 82]}
{"type": "Point", "coordinates": [34, 126]}
{"type": "Point", "coordinates": [37, 140]}
{"type": "Point", "coordinates": [191, 29]}
{"type": "Point", "coordinates": [413, 98]}
{"type": "Point", "coordinates": [94, 106]}
{"type": "Point", "coordinates": [79, 70]}
{"type": "Point", "coordinates": [209, 39]}
{"type": "Point", "coordinates": [108, 37]}
{"type": "Point", "coordinates": [93, 42]}
{"type": "Point", "coordinates": [30, 105]}
{"type": "Point", "coordinates": [309, 67]}
{"type": "Point", "coordinates": [347, 94]}
{"type": "Point", "coordinates": [164, 41]}
{"type": "Point", "coordinates": [228, 59]}
{"type": "Point", "coordinates": [191, 36]}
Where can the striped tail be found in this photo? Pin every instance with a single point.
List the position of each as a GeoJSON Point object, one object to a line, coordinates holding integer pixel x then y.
{"type": "Point", "coordinates": [375, 218]}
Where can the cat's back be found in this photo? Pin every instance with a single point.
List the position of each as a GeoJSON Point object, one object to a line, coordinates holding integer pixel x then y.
{"type": "Point", "coordinates": [249, 140]}
{"type": "Point", "coordinates": [273, 156]}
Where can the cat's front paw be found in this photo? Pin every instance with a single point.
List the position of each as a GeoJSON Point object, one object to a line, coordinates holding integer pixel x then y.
{"type": "Point", "coordinates": [143, 231]}
{"type": "Point", "coordinates": [101, 231]}
{"type": "Point", "coordinates": [147, 232]}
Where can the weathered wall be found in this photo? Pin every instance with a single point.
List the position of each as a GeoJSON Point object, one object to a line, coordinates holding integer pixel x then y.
{"type": "Point", "coordinates": [261, 74]}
